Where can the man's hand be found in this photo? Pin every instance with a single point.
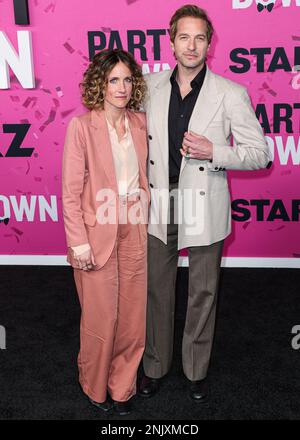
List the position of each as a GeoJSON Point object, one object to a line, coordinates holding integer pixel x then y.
{"type": "Point", "coordinates": [86, 260]}
{"type": "Point", "coordinates": [195, 146]}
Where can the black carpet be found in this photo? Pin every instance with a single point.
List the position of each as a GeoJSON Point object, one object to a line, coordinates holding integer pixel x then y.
{"type": "Point", "coordinates": [254, 373]}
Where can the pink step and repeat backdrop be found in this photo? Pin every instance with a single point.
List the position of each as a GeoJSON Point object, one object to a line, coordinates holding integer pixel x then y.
{"type": "Point", "coordinates": [255, 45]}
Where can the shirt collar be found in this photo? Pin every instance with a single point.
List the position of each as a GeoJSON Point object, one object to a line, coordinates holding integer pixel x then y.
{"type": "Point", "coordinates": [111, 129]}
{"type": "Point", "coordinates": [196, 82]}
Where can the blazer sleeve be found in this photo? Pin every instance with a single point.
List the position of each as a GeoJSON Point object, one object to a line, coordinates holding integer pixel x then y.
{"type": "Point", "coordinates": [72, 184]}
{"type": "Point", "coordinates": [250, 150]}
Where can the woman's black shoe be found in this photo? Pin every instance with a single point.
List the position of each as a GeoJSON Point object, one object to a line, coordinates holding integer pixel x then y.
{"type": "Point", "coordinates": [122, 408]}
{"type": "Point", "coordinates": [104, 406]}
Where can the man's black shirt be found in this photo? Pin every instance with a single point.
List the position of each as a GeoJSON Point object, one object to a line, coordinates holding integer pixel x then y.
{"type": "Point", "coordinates": [180, 111]}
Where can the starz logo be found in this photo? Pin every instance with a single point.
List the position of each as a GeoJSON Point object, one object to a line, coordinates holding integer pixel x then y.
{"type": "Point", "coordinates": [262, 5]}
{"type": "Point", "coordinates": [268, 5]}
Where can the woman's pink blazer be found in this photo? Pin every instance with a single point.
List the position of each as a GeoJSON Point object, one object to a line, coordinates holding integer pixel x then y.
{"type": "Point", "coordinates": [87, 168]}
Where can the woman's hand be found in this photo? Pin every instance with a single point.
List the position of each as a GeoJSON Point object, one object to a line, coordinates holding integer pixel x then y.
{"type": "Point", "coordinates": [84, 257]}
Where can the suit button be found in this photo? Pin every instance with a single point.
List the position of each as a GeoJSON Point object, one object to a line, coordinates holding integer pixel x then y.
{"type": "Point", "coordinates": [152, 162]}
{"type": "Point", "coordinates": [150, 137]}
{"type": "Point", "coordinates": [210, 160]}
{"type": "Point", "coordinates": [201, 168]}
{"type": "Point", "coordinates": [202, 193]}
{"type": "Point", "coordinates": [151, 186]}
{"type": "Point", "coordinates": [216, 168]}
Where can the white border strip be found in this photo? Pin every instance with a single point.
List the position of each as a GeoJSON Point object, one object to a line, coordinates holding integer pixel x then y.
{"type": "Point", "coordinates": [60, 260]}
{"type": "Point", "coordinates": [292, 263]}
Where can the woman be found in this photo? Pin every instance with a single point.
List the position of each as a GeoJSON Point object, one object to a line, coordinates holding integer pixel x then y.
{"type": "Point", "coordinates": [105, 202]}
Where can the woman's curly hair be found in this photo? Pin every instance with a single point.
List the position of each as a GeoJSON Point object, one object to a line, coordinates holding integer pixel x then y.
{"type": "Point", "coordinates": [95, 79]}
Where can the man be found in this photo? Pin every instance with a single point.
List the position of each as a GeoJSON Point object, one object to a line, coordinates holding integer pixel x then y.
{"type": "Point", "coordinates": [192, 114]}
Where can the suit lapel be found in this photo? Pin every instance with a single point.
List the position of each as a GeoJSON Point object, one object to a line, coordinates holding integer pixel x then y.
{"type": "Point", "coordinates": [105, 150]}
{"type": "Point", "coordinates": [207, 104]}
{"type": "Point", "coordinates": [160, 114]}
{"type": "Point", "coordinates": [137, 134]}
{"type": "Point", "coordinates": [103, 144]}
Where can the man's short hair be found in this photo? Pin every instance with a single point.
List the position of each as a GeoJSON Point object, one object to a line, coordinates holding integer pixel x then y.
{"type": "Point", "coordinates": [190, 11]}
